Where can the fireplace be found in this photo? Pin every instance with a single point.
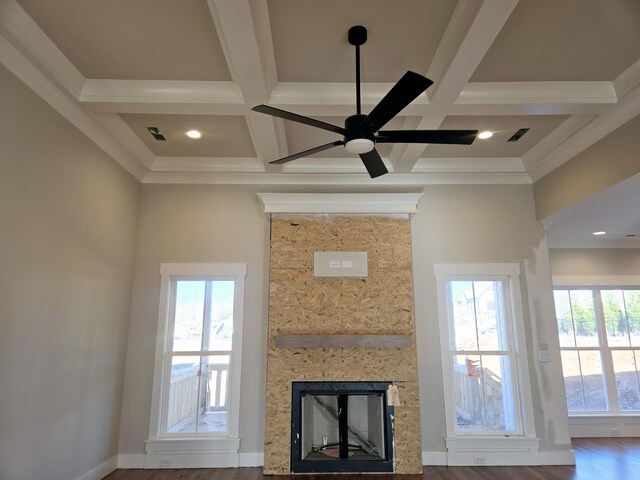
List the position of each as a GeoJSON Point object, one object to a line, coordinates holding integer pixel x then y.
{"type": "Point", "coordinates": [341, 427]}
{"type": "Point", "coordinates": [338, 329]}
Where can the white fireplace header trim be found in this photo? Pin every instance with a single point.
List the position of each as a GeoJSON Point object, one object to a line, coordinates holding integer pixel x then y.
{"type": "Point", "coordinates": [393, 203]}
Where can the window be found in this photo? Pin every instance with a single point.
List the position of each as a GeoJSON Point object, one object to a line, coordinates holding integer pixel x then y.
{"type": "Point", "coordinates": [484, 367]}
{"type": "Point", "coordinates": [197, 369]}
{"type": "Point", "coordinates": [599, 331]}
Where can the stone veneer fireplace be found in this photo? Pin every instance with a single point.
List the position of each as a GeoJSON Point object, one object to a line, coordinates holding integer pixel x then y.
{"type": "Point", "coordinates": [341, 330]}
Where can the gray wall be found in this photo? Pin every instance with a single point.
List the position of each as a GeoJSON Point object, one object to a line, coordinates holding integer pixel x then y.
{"type": "Point", "coordinates": [68, 216]}
{"type": "Point", "coordinates": [476, 224]}
{"type": "Point", "coordinates": [197, 223]}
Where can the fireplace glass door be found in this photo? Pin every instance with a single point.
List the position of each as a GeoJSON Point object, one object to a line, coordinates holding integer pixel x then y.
{"type": "Point", "coordinates": [341, 426]}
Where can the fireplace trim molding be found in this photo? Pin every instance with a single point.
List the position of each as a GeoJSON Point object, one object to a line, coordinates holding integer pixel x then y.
{"type": "Point", "coordinates": [381, 203]}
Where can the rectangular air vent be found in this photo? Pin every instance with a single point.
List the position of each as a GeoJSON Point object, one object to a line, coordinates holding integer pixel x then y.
{"type": "Point", "coordinates": [157, 134]}
{"type": "Point", "coordinates": [518, 135]}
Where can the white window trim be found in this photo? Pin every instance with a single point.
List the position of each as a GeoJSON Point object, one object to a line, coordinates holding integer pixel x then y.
{"type": "Point", "coordinates": [206, 451]}
{"type": "Point", "coordinates": [611, 422]}
{"type": "Point", "coordinates": [488, 449]}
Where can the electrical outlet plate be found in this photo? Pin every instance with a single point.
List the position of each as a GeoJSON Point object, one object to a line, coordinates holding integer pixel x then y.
{"type": "Point", "coordinates": [340, 264]}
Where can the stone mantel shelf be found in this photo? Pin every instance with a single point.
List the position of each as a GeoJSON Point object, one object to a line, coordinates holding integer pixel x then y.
{"type": "Point", "coordinates": [343, 341]}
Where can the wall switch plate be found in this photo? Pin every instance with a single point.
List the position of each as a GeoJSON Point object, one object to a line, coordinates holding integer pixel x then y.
{"type": "Point", "coordinates": [340, 264]}
{"type": "Point", "coordinates": [543, 355]}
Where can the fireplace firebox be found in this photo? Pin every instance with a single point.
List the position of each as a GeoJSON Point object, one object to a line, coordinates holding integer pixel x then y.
{"type": "Point", "coordinates": [341, 427]}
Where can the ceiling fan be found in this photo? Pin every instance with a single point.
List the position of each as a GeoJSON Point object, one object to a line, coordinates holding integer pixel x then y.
{"type": "Point", "coordinates": [362, 132]}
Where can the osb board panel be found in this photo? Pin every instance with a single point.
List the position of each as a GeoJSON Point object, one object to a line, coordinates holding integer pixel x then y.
{"type": "Point", "coordinates": [407, 430]}
{"type": "Point", "coordinates": [277, 434]}
{"type": "Point", "coordinates": [381, 304]}
{"type": "Point", "coordinates": [341, 364]}
{"type": "Point", "coordinates": [386, 238]}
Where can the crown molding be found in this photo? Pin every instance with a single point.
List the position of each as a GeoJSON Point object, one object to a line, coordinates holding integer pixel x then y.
{"type": "Point", "coordinates": [537, 92]}
{"type": "Point", "coordinates": [344, 179]}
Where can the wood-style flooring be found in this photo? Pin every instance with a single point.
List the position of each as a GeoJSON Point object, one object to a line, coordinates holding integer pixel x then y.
{"type": "Point", "coordinates": [596, 459]}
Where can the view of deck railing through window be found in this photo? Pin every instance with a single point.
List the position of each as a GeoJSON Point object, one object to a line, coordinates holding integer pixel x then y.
{"type": "Point", "coordinates": [599, 331]}
{"type": "Point", "coordinates": [197, 395]}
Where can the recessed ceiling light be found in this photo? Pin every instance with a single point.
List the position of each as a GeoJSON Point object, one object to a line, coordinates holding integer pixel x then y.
{"type": "Point", "coordinates": [486, 134]}
{"type": "Point", "coordinates": [602, 232]}
{"type": "Point", "coordinates": [194, 134]}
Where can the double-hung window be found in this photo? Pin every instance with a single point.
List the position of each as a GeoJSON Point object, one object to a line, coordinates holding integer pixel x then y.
{"type": "Point", "coordinates": [484, 365]}
{"type": "Point", "coordinates": [599, 330]}
{"type": "Point", "coordinates": [197, 370]}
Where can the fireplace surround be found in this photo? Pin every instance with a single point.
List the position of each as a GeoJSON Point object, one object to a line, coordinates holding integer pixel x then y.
{"type": "Point", "coordinates": [342, 330]}
{"type": "Point", "coordinates": [341, 427]}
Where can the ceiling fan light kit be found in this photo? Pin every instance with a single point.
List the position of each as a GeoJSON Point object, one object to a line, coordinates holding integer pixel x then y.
{"type": "Point", "coordinates": [362, 132]}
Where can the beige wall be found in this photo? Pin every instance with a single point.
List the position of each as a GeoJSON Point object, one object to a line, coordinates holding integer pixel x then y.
{"type": "Point", "coordinates": [607, 162]}
{"type": "Point", "coordinates": [68, 217]}
{"type": "Point", "coordinates": [197, 223]}
{"type": "Point", "coordinates": [485, 224]}
{"type": "Point", "coordinates": [466, 223]}
{"type": "Point", "coordinates": [595, 261]}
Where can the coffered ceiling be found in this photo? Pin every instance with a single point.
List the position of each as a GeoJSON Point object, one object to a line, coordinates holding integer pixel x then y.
{"type": "Point", "coordinates": [568, 71]}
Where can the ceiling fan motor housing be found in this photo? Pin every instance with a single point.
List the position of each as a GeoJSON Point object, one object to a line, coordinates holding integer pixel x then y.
{"type": "Point", "coordinates": [357, 140]}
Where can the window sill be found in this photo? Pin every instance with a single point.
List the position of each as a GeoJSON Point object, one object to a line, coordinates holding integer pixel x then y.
{"type": "Point", "coordinates": [605, 416]}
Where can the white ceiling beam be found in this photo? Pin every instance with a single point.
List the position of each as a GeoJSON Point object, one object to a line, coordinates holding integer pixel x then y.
{"type": "Point", "coordinates": [251, 69]}
{"type": "Point", "coordinates": [565, 143]}
{"type": "Point", "coordinates": [464, 44]}
{"type": "Point", "coordinates": [59, 100]}
{"type": "Point", "coordinates": [17, 24]}
{"type": "Point", "coordinates": [208, 164]}
{"type": "Point", "coordinates": [113, 124]}
{"type": "Point", "coordinates": [334, 99]}
{"type": "Point", "coordinates": [478, 37]}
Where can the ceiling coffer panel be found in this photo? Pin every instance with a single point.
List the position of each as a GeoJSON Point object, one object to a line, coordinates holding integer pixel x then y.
{"type": "Point", "coordinates": [222, 135]}
{"type": "Point", "coordinates": [134, 40]}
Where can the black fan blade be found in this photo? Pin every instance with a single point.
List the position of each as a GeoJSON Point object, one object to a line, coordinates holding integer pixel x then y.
{"type": "Point", "coordinates": [294, 117]}
{"type": "Point", "coordinates": [449, 137]}
{"type": "Point", "coordinates": [306, 153]}
{"type": "Point", "coordinates": [401, 94]}
{"type": "Point", "coordinates": [373, 163]}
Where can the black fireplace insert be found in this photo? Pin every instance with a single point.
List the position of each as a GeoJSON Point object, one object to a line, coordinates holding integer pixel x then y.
{"type": "Point", "coordinates": [341, 427]}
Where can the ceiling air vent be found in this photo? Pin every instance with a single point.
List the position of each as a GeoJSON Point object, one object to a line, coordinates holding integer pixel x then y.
{"type": "Point", "coordinates": [157, 134]}
{"type": "Point", "coordinates": [518, 135]}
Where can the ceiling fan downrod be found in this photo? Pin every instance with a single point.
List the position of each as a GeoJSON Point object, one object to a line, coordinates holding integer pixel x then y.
{"type": "Point", "coordinates": [357, 36]}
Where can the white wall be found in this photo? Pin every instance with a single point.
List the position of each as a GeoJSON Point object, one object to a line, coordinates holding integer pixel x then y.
{"type": "Point", "coordinates": [485, 224]}
{"type": "Point", "coordinates": [197, 223]}
{"type": "Point", "coordinates": [68, 217]}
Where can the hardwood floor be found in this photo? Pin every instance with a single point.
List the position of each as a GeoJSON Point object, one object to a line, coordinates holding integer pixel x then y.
{"type": "Point", "coordinates": [596, 458]}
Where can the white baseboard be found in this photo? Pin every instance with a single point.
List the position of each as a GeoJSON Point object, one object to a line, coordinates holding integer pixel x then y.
{"type": "Point", "coordinates": [495, 451]}
{"type": "Point", "coordinates": [560, 457]}
{"type": "Point", "coordinates": [192, 453]}
{"type": "Point", "coordinates": [252, 459]}
{"type": "Point", "coordinates": [434, 458]}
{"type": "Point", "coordinates": [131, 461]}
{"type": "Point", "coordinates": [604, 426]}
{"type": "Point", "coordinates": [101, 471]}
